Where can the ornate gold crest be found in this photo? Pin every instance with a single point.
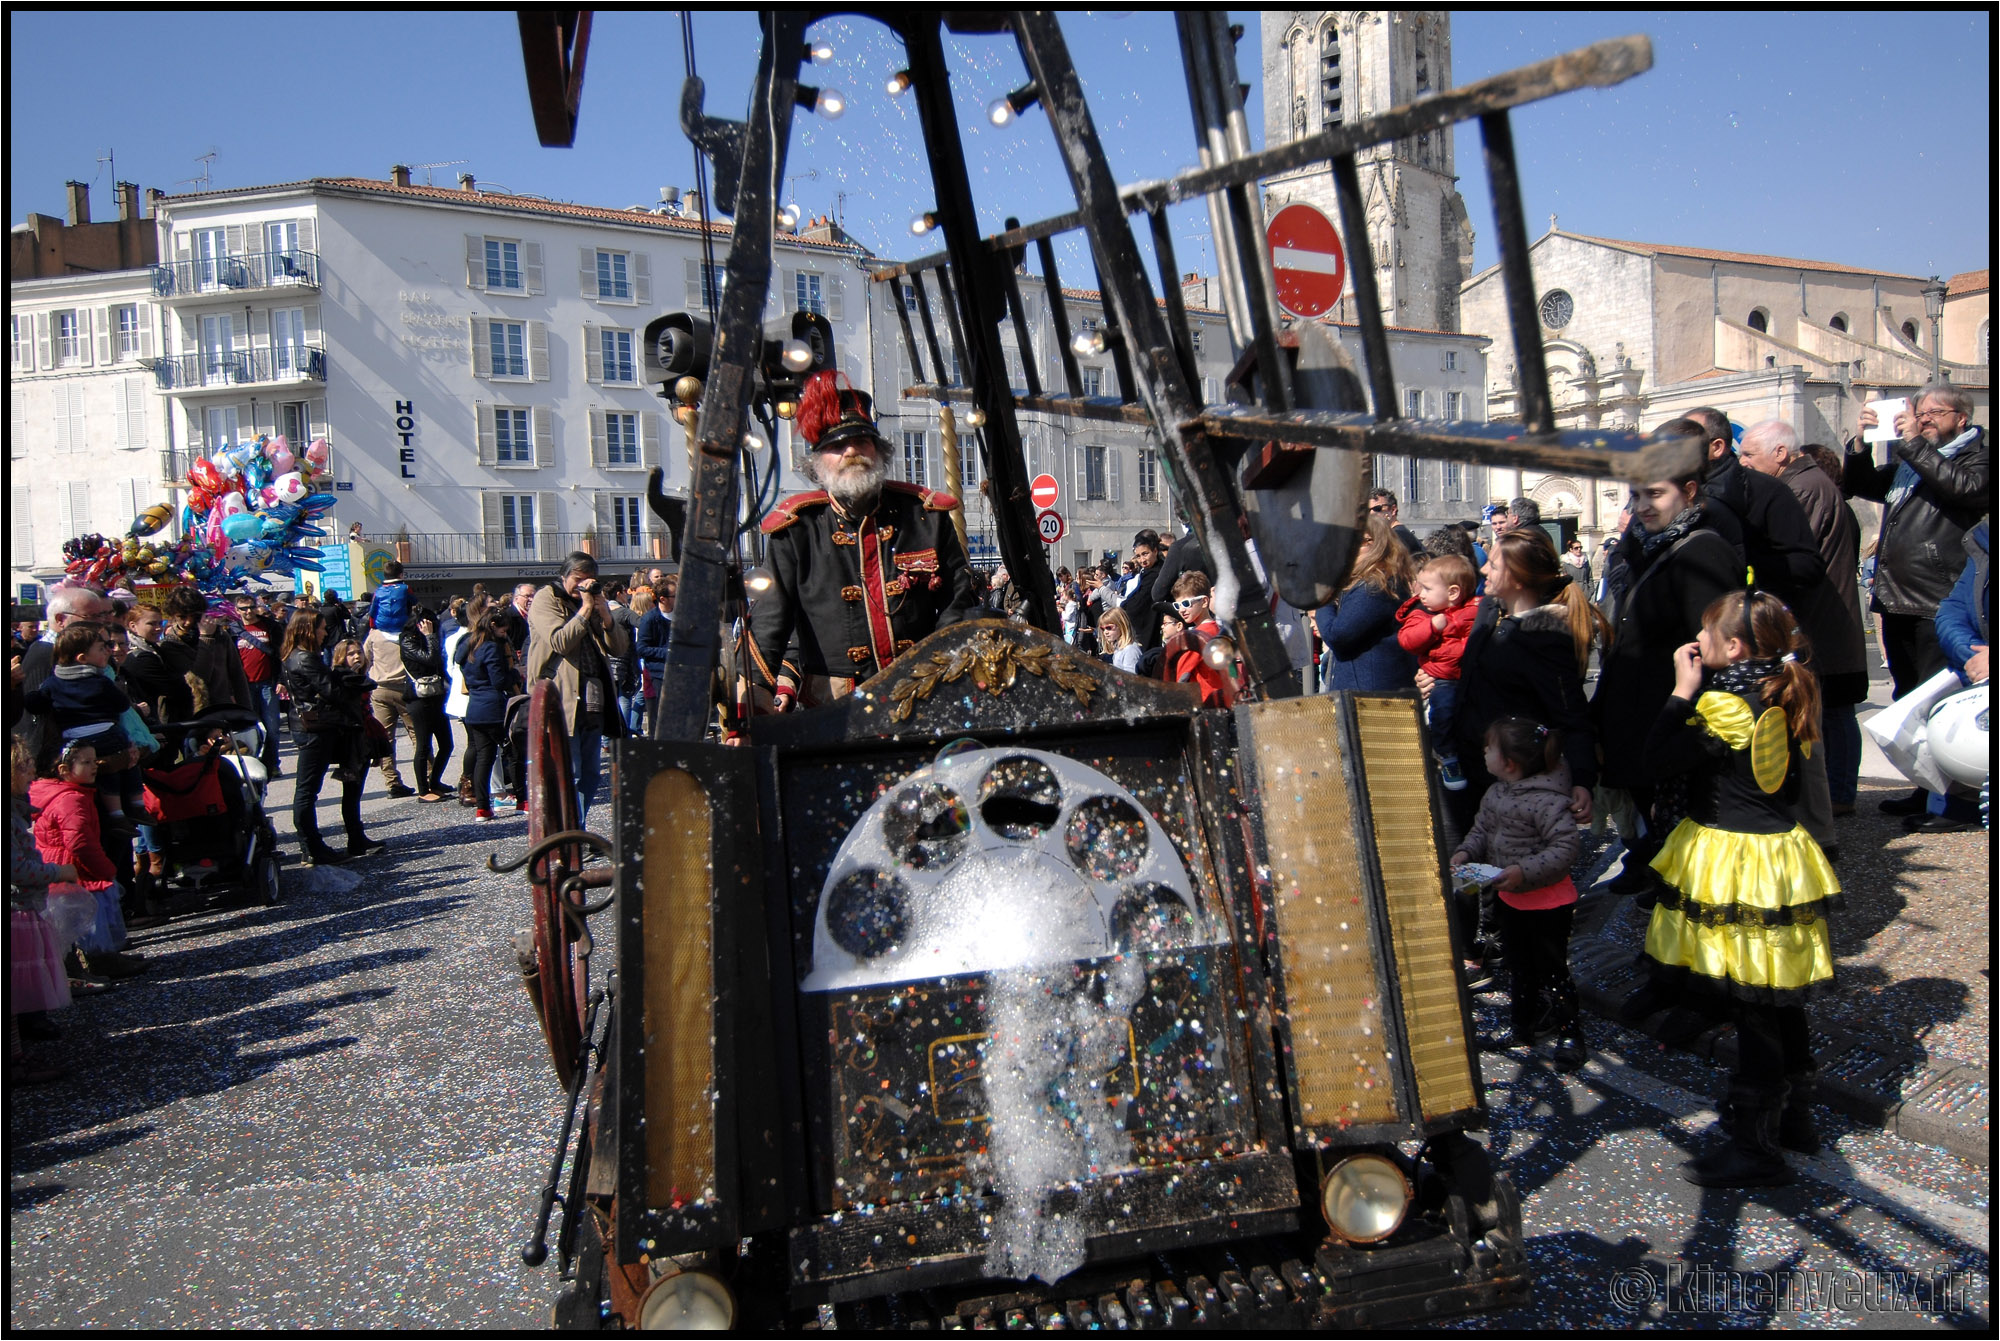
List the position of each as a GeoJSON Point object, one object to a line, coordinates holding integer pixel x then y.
{"type": "Point", "coordinates": [993, 661]}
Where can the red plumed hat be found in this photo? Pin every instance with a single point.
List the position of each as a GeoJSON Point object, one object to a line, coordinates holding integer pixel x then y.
{"type": "Point", "coordinates": [831, 411]}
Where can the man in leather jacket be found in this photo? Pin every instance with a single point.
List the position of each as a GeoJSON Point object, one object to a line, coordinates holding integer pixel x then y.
{"type": "Point", "coordinates": [861, 568]}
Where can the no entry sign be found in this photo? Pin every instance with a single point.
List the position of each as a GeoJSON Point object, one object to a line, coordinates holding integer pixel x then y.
{"type": "Point", "coordinates": [1042, 490]}
{"type": "Point", "coordinates": [1306, 261]}
{"type": "Point", "coordinates": [1049, 525]}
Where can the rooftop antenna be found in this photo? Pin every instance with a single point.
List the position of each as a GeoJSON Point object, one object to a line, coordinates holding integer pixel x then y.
{"type": "Point", "coordinates": [110, 156]}
{"type": "Point", "coordinates": [447, 163]}
{"type": "Point", "coordinates": [207, 161]}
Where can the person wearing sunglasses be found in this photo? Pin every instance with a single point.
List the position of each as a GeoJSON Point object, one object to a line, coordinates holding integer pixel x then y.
{"type": "Point", "coordinates": [1382, 503]}
{"type": "Point", "coordinates": [1183, 657]}
{"type": "Point", "coordinates": [1936, 486]}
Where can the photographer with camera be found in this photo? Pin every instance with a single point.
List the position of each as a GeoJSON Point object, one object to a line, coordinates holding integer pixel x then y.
{"type": "Point", "coordinates": [573, 640]}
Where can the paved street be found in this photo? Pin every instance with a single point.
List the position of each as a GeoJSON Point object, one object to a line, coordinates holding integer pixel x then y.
{"type": "Point", "coordinates": [337, 1112]}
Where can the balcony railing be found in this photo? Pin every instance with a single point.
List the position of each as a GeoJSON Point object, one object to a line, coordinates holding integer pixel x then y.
{"type": "Point", "coordinates": [451, 549]}
{"type": "Point", "coordinates": [237, 274]}
{"type": "Point", "coordinates": [220, 369]}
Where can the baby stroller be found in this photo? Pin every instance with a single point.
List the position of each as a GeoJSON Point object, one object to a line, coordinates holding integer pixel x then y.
{"type": "Point", "coordinates": [207, 808]}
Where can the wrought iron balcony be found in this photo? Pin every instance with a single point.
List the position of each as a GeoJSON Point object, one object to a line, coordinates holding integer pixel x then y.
{"type": "Point", "coordinates": [207, 276]}
{"type": "Point", "coordinates": [454, 549]}
{"type": "Point", "coordinates": [221, 370]}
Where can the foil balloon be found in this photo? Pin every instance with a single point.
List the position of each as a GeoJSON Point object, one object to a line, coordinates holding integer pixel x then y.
{"type": "Point", "coordinates": [282, 461]}
{"type": "Point", "coordinates": [243, 526]}
{"type": "Point", "coordinates": [276, 444]}
{"type": "Point", "coordinates": [153, 519]}
{"type": "Point", "coordinates": [230, 504]}
{"type": "Point", "coordinates": [317, 451]}
{"type": "Point", "coordinates": [288, 487]}
{"type": "Point", "coordinates": [203, 475]}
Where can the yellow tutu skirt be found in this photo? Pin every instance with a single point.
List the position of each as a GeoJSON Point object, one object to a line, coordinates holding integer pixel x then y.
{"type": "Point", "coordinates": [1745, 912]}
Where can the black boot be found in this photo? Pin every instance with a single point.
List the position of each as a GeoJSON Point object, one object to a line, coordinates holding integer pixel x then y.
{"type": "Point", "coordinates": [1796, 1129]}
{"type": "Point", "coordinates": [1569, 1049]}
{"type": "Point", "coordinates": [1752, 1157]}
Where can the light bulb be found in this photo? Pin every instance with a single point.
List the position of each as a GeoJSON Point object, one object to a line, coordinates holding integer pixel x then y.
{"type": "Point", "coordinates": [758, 581]}
{"type": "Point", "coordinates": [898, 84]}
{"type": "Point", "coordinates": [923, 223]}
{"type": "Point", "coordinates": [788, 216]}
{"type": "Point", "coordinates": [787, 408]}
{"type": "Point", "coordinates": [821, 51]}
{"type": "Point", "coordinates": [1088, 343]}
{"type": "Point", "coordinates": [798, 355]}
{"type": "Point", "coordinates": [832, 102]}
{"type": "Point", "coordinates": [1000, 111]}
{"type": "Point", "coordinates": [687, 390]}
{"type": "Point", "coordinates": [976, 417]}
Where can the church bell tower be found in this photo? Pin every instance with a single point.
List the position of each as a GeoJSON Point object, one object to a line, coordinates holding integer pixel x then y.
{"type": "Point", "coordinates": [1328, 67]}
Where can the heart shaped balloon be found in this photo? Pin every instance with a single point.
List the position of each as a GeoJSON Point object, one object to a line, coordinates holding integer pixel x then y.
{"type": "Point", "coordinates": [317, 451]}
{"type": "Point", "coordinates": [231, 503]}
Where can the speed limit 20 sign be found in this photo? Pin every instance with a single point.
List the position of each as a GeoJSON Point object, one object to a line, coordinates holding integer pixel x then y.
{"type": "Point", "coordinates": [1049, 525]}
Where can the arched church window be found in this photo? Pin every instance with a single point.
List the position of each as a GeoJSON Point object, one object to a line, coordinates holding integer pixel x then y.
{"type": "Point", "coordinates": [1758, 320]}
{"type": "Point", "coordinates": [1329, 76]}
{"type": "Point", "coordinates": [1839, 322]}
{"type": "Point", "coordinates": [1557, 308]}
{"type": "Point", "coordinates": [1910, 332]}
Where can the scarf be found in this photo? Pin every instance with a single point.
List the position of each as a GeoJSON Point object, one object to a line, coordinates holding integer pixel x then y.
{"type": "Point", "coordinates": [1745, 676]}
{"type": "Point", "coordinates": [1651, 542]}
{"type": "Point", "coordinates": [1907, 479]}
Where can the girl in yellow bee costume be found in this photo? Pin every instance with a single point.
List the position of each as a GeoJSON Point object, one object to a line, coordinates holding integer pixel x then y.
{"type": "Point", "coordinates": [1744, 915]}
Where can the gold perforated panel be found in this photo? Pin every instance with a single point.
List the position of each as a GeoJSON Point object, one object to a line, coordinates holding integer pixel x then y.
{"type": "Point", "coordinates": [1399, 795]}
{"type": "Point", "coordinates": [679, 993]}
{"type": "Point", "coordinates": [1339, 1063]}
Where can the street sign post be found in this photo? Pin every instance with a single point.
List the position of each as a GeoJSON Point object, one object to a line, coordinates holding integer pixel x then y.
{"type": "Point", "coordinates": [1042, 491]}
{"type": "Point", "coordinates": [1049, 525]}
{"type": "Point", "coordinates": [1307, 263]}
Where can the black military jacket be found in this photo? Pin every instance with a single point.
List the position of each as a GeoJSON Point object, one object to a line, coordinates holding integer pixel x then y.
{"type": "Point", "coordinates": [850, 594]}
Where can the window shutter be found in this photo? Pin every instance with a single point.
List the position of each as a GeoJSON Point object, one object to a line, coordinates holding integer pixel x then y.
{"type": "Point", "coordinates": [489, 449]}
{"type": "Point", "coordinates": [694, 303]}
{"type": "Point", "coordinates": [312, 324]}
{"type": "Point", "coordinates": [260, 329]}
{"type": "Point", "coordinates": [195, 443]}
{"type": "Point", "coordinates": [119, 428]}
{"type": "Point", "coordinates": [531, 262]}
{"type": "Point", "coordinates": [308, 241]}
{"type": "Point", "coordinates": [1113, 472]}
{"type": "Point", "coordinates": [135, 410]}
{"type": "Point", "coordinates": [586, 271]}
{"type": "Point", "coordinates": [642, 277]}
{"type": "Point", "coordinates": [145, 332]}
{"type": "Point", "coordinates": [538, 351]}
{"type": "Point", "coordinates": [593, 355]}
{"type": "Point", "coordinates": [548, 519]}
{"type": "Point", "coordinates": [598, 452]}
{"type": "Point", "coordinates": [475, 262]}
{"type": "Point", "coordinates": [105, 327]}
{"type": "Point", "coordinates": [835, 298]}
{"type": "Point", "coordinates": [482, 349]}
{"type": "Point", "coordinates": [17, 425]}
{"type": "Point", "coordinates": [65, 513]}
{"type": "Point", "coordinates": [489, 522]}
{"type": "Point", "coordinates": [83, 344]}
{"type": "Point", "coordinates": [21, 544]}
{"type": "Point", "coordinates": [63, 443]}
{"type": "Point", "coordinates": [1080, 471]}
{"type": "Point", "coordinates": [128, 496]}
{"type": "Point", "coordinates": [545, 435]}
{"type": "Point", "coordinates": [232, 238]}
{"type": "Point", "coordinates": [786, 284]}
{"type": "Point", "coordinates": [183, 247]}
{"type": "Point", "coordinates": [43, 341]}
{"type": "Point", "coordinates": [79, 507]}
{"type": "Point", "coordinates": [649, 440]}
{"type": "Point", "coordinates": [934, 460]}
{"type": "Point", "coordinates": [600, 517]}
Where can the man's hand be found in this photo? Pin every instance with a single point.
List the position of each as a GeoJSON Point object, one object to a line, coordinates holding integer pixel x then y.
{"type": "Point", "coordinates": [1906, 425]}
{"type": "Point", "coordinates": [1975, 665]}
{"type": "Point", "coordinates": [1868, 420]}
{"type": "Point", "coordinates": [1580, 804]}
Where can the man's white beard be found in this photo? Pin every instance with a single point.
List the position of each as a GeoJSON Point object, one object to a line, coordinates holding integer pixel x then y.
{"type": "Point", "coordinates": [856, 485]}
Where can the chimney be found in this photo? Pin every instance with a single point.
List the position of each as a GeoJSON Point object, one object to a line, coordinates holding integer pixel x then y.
{"type": "Point", "coordinates": [128, 200]}
{"type": "Point", "coordinates": [465, 182]}
{"type": "Point", "coordinates": [400, 175]}
{"type": "Point", "coordinates": [154, 195]}
{"type": "Point", "coordinates": [79, 203]}
{"type": "Point", "coordinates": [691, 204]}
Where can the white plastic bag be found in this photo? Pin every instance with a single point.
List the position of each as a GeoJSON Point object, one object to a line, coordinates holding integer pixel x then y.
{"type": "Point", "coordinates": [1900, 730]}
{"type": "Point", "coordinates": [72, 912]}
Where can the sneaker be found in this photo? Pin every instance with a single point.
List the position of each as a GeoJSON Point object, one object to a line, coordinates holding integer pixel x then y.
{"type": "Point", "coordinates": [1451, 775]}
{"type": "Point", "coordinates": [397, 791]}
{"type": "Point", "coordinates": [481, 815]}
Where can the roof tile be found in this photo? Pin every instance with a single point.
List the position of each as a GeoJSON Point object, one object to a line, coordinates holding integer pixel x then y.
{"type": "Point", "coordinates": [1741, 257]}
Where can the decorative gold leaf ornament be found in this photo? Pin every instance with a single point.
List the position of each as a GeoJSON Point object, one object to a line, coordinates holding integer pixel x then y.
{"type": "Point", "coordinates": [993, 661]}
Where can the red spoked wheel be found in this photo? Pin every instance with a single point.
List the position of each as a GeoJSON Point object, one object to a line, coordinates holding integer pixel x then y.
{"type": "Point", "coordinates": [563, 974]}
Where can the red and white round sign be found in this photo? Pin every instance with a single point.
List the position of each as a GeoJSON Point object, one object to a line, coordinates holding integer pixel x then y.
{"type": "Point", "coordinates": [1049, 525]}
{"type": "Point", "coordinates": [1306, 261]}
{"type": "Point", "coordinates": [1042, 490]}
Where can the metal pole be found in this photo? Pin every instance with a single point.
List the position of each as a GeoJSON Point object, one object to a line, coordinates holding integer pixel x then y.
{"type": "Point", "coordinates": [954, 479]}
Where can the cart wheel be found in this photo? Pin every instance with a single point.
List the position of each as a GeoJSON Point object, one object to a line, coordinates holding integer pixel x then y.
{"type": "Point", "coordinates": [552, 810]}
{"type": "Point", "coordinates": [264, 886]}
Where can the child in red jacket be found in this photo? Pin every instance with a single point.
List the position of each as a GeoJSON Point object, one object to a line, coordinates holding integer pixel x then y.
{"type": "Point", "coordinates": [1435, 623]}
{"type": "Point", "coordinates": [67, 832]}
{"type": "Point", "coordinates": [1184, 657]}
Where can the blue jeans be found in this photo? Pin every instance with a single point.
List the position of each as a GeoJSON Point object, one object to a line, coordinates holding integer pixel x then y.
{"type": "Point", "coordinates": [265, 698]}
{"type": "Point", "coordinates": [632, 708]}
{"type": "Point", "coordinates": [1441, 710]}
{"type": "Point", "coordinates": [1842, 734]}
{"type": "Point", "coordinates": [586, 766]}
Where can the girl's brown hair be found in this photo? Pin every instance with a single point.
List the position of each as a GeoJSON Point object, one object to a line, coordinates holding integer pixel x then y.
{"type": "Point", "coordinates": [341, 649]}
{"type": "Point", "coordinates": [1526, 744]}
{"type": "Point", "coordinates": [1529, 557]}
{"type": "Point", "coordinates": [1767, 628]}
{"type": "Point", "coordinates": [1383, 563]}
{"type": "Point", "coordinates": [304, 633]}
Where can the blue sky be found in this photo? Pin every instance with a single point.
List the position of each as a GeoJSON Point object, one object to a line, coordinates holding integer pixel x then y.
{"type": "Point", "coordinates": [1852, 136]}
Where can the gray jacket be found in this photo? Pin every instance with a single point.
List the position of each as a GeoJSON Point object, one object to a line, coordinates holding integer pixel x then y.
{"type": "Point", "coordinates": [1527, 824]}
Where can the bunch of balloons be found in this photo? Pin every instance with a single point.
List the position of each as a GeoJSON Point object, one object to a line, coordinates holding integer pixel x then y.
{"type": "Point", "coordinates": [250, 509]}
